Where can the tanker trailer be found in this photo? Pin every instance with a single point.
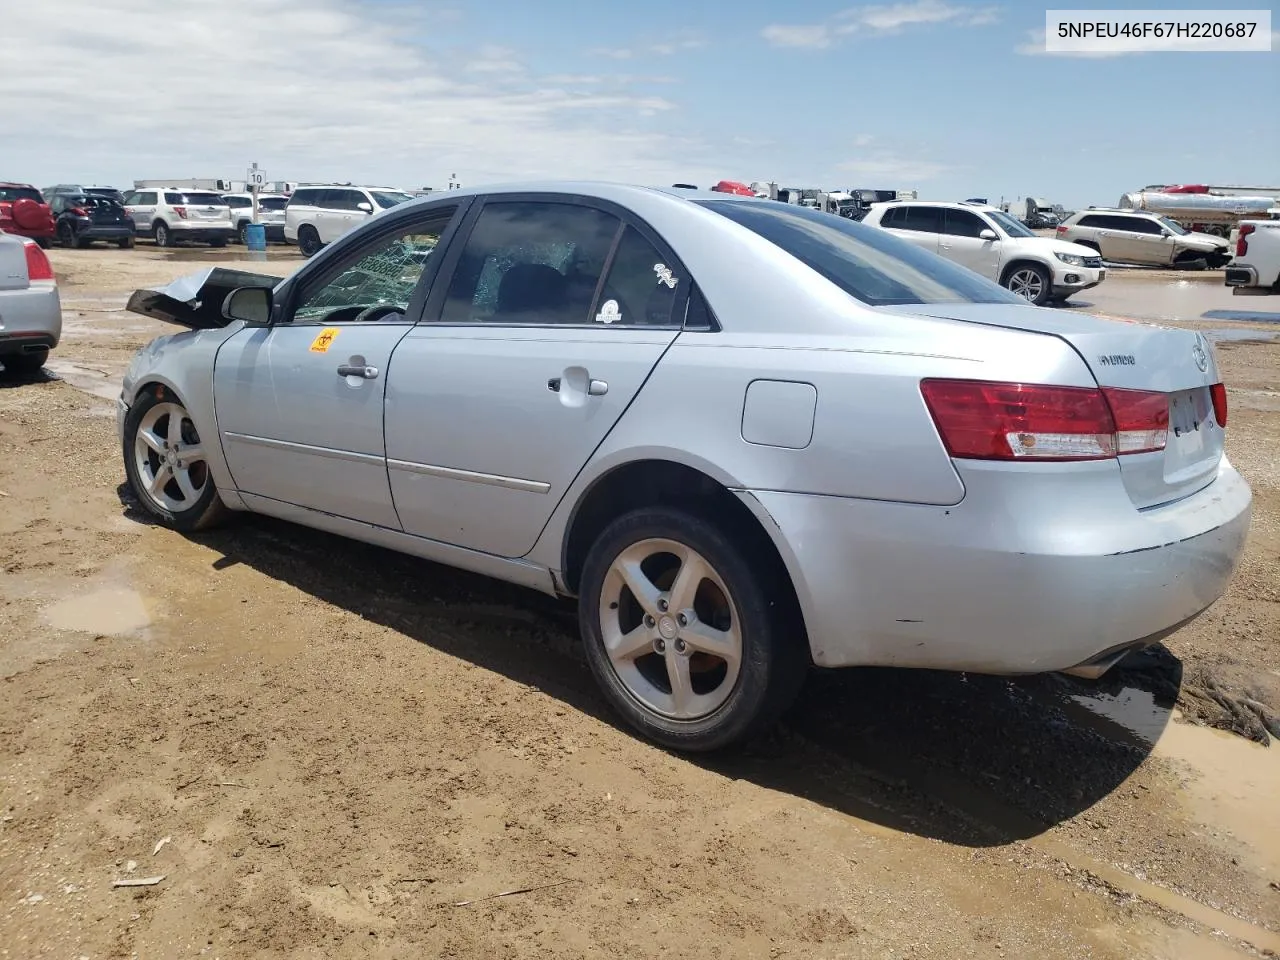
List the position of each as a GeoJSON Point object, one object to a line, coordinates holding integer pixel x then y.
{"type": "Point", "coordinates": [1201, 212]}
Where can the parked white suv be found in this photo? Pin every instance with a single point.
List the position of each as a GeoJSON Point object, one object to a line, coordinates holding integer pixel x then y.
{"type": "Point", "coordinates": [169, 215]}
{"type": "Point", "coordinates": [270, 213]}
{"type": "Point", "coordinates": [994, 244]}
{"type": "Point", "coordinates": [1137, 236]}
{"type": "Point", "coordinates": [317, 215]}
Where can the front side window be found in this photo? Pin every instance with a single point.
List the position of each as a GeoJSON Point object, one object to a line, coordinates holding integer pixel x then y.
{"type": "Point", "coordinates": [386, 199]}
{"type": "Point", "coordinates": [962, 223]}
{"type": "Point", "coordinates": [1140, 225]}
{"type": "Point", "coordinates": [869, 264]}
{"type": "Point", "coordinates": [382, 277]}
{"type": "Point", "coordinates": [531, 262]}
{"type": "Point", "coordinates": [1173, 226]}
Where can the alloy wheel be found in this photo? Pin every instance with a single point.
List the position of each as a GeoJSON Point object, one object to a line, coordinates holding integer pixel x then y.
{"type": "Point", "coordinates": [671, 629]}
{"type": "Point", "coordinates": [1027, 284]}
{"type": "Point", "coordinates": [170, 459]}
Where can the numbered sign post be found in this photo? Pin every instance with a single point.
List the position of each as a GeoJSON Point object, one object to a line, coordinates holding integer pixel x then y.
{"type": "Point", "coordinates": [256, 180]}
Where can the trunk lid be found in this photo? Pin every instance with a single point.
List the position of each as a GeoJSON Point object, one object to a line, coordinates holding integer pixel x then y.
{"type": "Point", "coordinates": [1132, 356]}
{"type": "Point", "coordinates": [13, 263]}
{"type": "Point", "coordinates": [195, 300]}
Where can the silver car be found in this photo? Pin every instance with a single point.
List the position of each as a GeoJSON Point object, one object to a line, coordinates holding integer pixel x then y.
{"type": "Point", "coordinates": [746, 436]}
{"type": "Point", "coordinates": [30, 310]}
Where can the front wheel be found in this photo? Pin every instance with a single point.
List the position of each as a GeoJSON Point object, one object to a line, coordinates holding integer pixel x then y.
{"type": "Point", "coordinates": [682, 634]}
{"type": "Point", "coordinates": [125, 243]}
{"type": "Point", "coordinates": [1031, 282]}
{"type": "Point", "coordinates": [167, 466]}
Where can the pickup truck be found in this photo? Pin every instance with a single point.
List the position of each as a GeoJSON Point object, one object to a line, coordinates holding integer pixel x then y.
{"type": "Point", "coordinates": [1255, 269]}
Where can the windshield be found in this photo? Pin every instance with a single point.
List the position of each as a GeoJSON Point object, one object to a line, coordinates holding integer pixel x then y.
{"type": "Point", "coordinates": [1010, 225]}
{"type": "Point", "coordinates": [273, 203]}
{"type": "Point", "coordinates": [388, 198]}
{"type": "Point", "coordinates": [869, 264]}
{"type": "Point", "coordinates": [1177, 229]}
{"type": "Point", "coordinates": [195, 199]}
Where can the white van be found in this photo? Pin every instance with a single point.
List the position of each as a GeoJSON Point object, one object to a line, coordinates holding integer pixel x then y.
{"type": "Point", "coordinates": [317, 215]}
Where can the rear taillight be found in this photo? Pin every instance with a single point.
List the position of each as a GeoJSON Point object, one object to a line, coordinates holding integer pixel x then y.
{"type": "Point", "coordinates": [181, 211]}
{"type": "Point", "coordinates": [80, 211]}
{"type": "Point", "coordinates": [1061, 231]}
{"type": "Point", "coordinates": [1219, 394]}
{"type": "Point", "coordinates": [984, 420]}
{"type": "Point", "coordinates": [38, 265]}
{"type": "Point", "coordinates": [1242, 238]}
{"type": "Point", "coordinates": [1142, 419]}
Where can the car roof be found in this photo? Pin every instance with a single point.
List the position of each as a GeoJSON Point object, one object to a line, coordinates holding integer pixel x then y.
{"type": "Point", "coordinates": [949, 204]}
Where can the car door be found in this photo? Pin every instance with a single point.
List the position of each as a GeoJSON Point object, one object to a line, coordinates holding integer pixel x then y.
{"type": "Point", "coordinates": [920, 224]}
{"type": "Point", "coordinates": [960, 241]}
{"type": "Point", "coordinates": [1145, 241]}
{"type": "Point", "coordinates": [555, 314]}
{"type": "Point", "coordinates": [300, 403]}
{"type": "Point", "coordinates": [330, 218]}
{"type": "Point", "coordinates": [142, 207]}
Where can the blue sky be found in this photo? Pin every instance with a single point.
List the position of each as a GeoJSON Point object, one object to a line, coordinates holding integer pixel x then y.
{"type": "Point", "coordinates": [948, 97]}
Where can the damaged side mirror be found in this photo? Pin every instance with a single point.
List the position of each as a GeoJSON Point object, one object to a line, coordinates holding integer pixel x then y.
{"type": "Point", "coordinates": [252, 305]}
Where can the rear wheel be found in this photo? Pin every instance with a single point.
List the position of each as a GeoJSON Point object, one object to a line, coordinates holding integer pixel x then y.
{"type": "Point", "coordinates": [1029, 281]}
{"type": "Point", "coordinates": [66, 236]}
{"type": "Point", "coordinates": [44, 243]}
{"type": "Point", "coordinates": [682, 633]}
{"type": "Point", "coordinates": [242, 232]}
{"type": "Point", "coordinates": [163, 237]}
{"type": "Point", "coordinates": [24, 364]}
{"type": "Point", "coordinates": [125, 243]}
{"type": "Point", "coordinates": [167, 466]}
{"type": "Point", "coordinates": [308, 241]}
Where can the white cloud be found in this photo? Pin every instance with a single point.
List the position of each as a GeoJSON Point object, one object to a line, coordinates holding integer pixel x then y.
{"type": "Point", "coordinates": [863, 140]}
{"type": "Point", "coordinates": [885, 167]}
{"type": "Point", "coordinates": [665, 49]}
{"type": "Point", "coordinates": [877, 20]}
{"type": "Point", "coordinates": [816, 35]}
{"type": "Point", "coordinates": [150, 88]}
{"type": "Point", "coordinates": [886, 19]}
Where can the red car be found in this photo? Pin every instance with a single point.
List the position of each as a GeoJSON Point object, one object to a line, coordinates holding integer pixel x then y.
{"type": "Point", "coordinates": [24, 212]}
{"type": "Point", "coordinates": [734, 187]}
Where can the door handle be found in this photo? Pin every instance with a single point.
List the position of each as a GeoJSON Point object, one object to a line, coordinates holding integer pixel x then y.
{"type": "Point", "coordinates": [351, 370]}
{"type": "Point", "coordinates": [597, 388]}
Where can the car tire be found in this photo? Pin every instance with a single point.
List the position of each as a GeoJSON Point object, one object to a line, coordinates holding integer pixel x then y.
{"type": "Point", "coordinates": [164, 238]}
{"type": "Point", "coordinates": [1029, 281]}
{"type": "Point", "coordinates": [218, 244]}
{"type": "Point", "coordinates": [242, 234]}
{"type": "Point", "coordinates": [66, 236]}
{"type": "Point", "coordinates": [24, 364]}
{"type": "Point", "coordinates": [44, 243]}
{"type": "Point", "coordinates": [125, 243]}
{"type": "Point", "coordinates": [308, 240]}
{"type": "Point", "coordinates": [155, 477]}
{"type": "Point", "coordinates": [741, 694]}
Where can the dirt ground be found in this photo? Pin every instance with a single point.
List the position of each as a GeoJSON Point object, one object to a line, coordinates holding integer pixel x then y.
{"type": "Point", "coordinates": [328, 750]}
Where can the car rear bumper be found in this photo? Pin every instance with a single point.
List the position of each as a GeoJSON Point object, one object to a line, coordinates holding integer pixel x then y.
{"type": "Point", "coordinates": [30, 319]}
{"type": "Point", "coordinates": [104, 232]}
{"type": "Point", "coordinates": [191, 231]}
{"type": "Point", "coordinates": [1050, 570]}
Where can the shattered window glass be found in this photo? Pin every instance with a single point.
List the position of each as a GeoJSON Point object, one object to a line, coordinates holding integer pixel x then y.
{"type": "Point", "coordinates": [385, 276]}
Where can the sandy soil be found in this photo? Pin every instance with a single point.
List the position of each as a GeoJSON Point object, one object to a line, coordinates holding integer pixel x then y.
{"type": "Point", "coordinates": [326, 749]}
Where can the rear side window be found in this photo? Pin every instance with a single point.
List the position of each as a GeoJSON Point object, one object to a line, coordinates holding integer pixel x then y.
{"type": "Point", "coordinates": [531, 262]}
{"type": "Point", "coordinates": [919, 219]}
{"type": "Point", "coordinates": [174, 198]}
{"type": "Point", "coordinates": [641, 288]}
{"type": "Point", "coordinates": [869, 264]}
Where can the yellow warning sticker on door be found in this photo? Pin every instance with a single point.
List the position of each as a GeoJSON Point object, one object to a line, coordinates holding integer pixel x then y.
{"type": "Point", "coordinates": [324, 340]}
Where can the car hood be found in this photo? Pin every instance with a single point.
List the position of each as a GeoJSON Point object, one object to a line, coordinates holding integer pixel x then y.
{"type": "Point", "coordinates": [195, 300]}
{"type": "Point", "coordinates": [1203, 241]}
{"type": "Point", "coordinates": [1053, 245]}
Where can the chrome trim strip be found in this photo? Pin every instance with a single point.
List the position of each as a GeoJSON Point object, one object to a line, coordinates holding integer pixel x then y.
{"type": "Point", "coordinates": [452, 473]}
{"type": "Point", "coordinates": [328, 452]}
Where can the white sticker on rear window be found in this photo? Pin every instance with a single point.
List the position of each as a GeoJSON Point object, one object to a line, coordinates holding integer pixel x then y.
{"type": "Point", "coordinates": [664, 275]}
{"type": "Point", "coordinates": [609, 312]}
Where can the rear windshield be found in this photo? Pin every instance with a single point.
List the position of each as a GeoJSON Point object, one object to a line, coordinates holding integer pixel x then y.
{"type": "Point", "coordinates": [869, 264]}
{"type": "Point", "coordinates": [387, 198]}
{"type": "Point", "coordinates": [273, 203]}
{"type": "Point", "coordinates": [200, 199]}
{"type": "Point", "coordinates": [13, 194]}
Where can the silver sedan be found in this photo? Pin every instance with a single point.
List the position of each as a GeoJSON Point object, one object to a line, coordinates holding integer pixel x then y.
{"type": "Point", "coordinates": [30, 311]}
{"type": "Point", "coordinates": [747, 437]}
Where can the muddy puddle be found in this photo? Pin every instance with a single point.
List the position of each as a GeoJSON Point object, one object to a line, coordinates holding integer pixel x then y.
{"type": "Point", "coordinates": [108, 610]}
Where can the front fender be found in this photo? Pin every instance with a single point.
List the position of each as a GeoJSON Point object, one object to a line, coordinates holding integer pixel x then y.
{"type": "Point", "coordinates": [183, 363]}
